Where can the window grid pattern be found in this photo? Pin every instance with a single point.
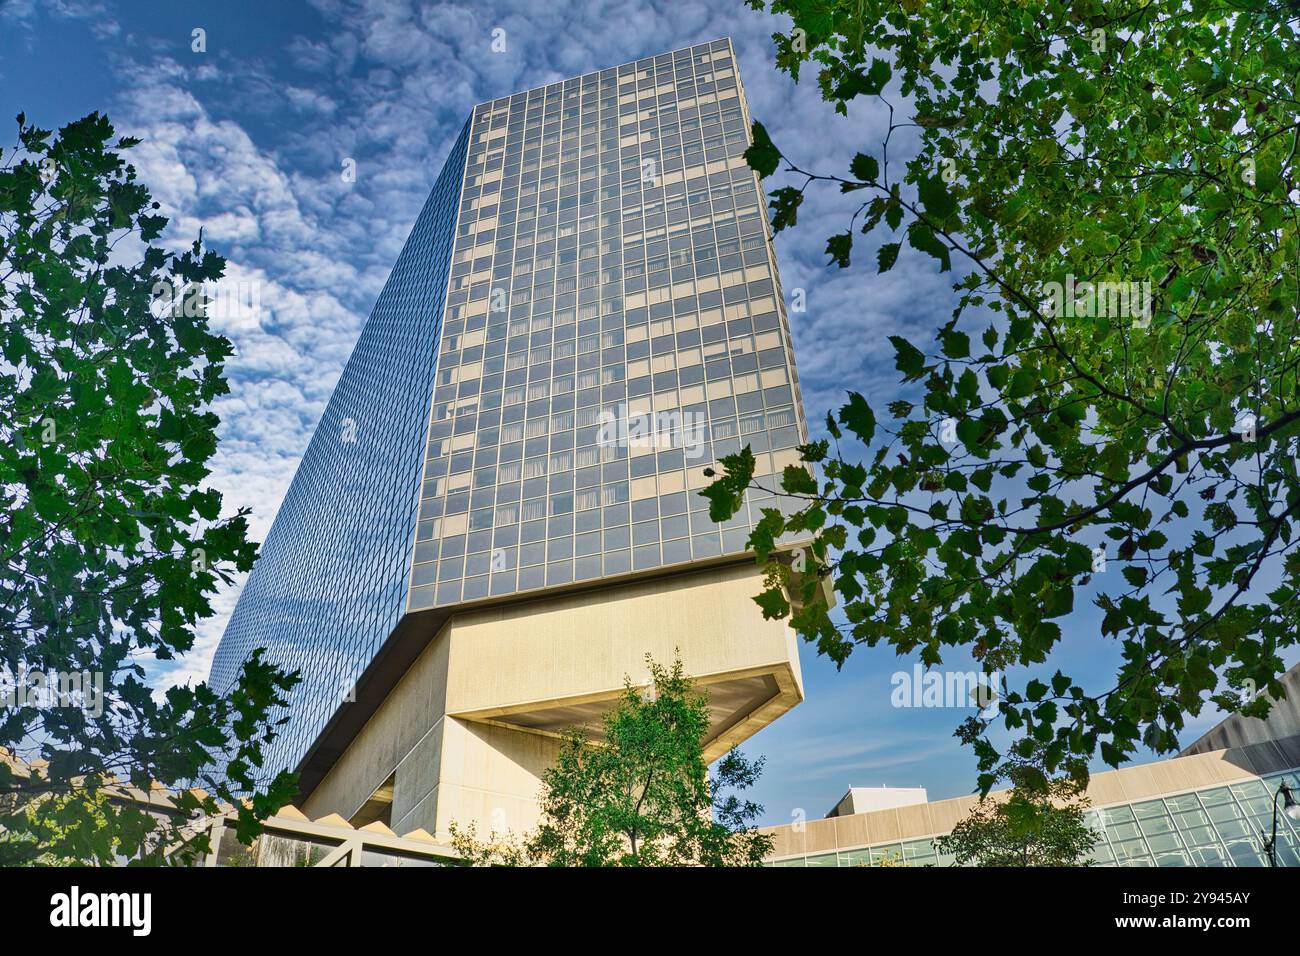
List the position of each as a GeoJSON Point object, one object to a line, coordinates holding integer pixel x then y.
{"type": "Point", "coordinates": [614, 324]}
{"type": "Point", "coordinates": [330, 583]}
{"type": "Point", "coordinates": [1214, 826]}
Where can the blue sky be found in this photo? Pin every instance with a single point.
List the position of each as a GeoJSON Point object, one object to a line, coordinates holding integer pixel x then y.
{"type": "Point", "coordinates": [247, 140]}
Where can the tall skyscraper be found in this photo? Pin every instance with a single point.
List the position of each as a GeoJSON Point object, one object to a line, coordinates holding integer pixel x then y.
{"type": "Point", "coordinates": [498, 515]}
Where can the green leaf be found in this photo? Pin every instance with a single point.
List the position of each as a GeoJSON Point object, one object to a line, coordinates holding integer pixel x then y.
{"type": "Point", "coordinates": [1135, 575]}
{"type": "Point", "coordinates": [938, 201]}
{"type": "Point", "coordinates": [763, 538]}
{"type": "Point", "coordinates": [923, 239]}
{"type": "Point", "coordinates": [1085, 92]}
{"type": "Point", "coordinates": [796, 480]}
{"type": "Point", "coordinates": [887, 255]}
{"type": "Point", "coordinates": [785, 203]}
{"type": "Point", "coordinates": [877, 76]}
{"type": "Point", "coordinates": [956, 345]}
{"type": "Point", "coordinates": [839, 247]}
{"type": "Point", "coordinates": [762, 156]}
{"type": "Point", "coordinates": [907, 358]}
{"type": "Point", "coordinates": [727, 492]}
{"type": "Point", "coordinates": [865, 168]}
{"type": "Point", "coordinates": [856, 415]}
{"type": "Point", "coordinates": [773, 603]}
{"type": "Point", "coordinates": [894, 214]}
{"type": "Point", "coordinates": [1023, 382]}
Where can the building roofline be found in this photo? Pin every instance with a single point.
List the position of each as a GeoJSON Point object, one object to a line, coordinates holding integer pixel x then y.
{"type": "Point", "coordinates": [616, 67]}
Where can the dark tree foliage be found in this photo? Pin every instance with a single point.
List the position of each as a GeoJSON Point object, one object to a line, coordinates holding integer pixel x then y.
{"type": "Point", "coordinates": [1111, 413]}
{"type": "Point", "coordinates": [110, 543]}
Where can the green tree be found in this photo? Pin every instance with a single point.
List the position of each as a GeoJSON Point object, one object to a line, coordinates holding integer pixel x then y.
{"type": "Point", "coordinates": [110, 544]}
{"type": "Point", "coordinates": [641, 796]}
{"type": "Point", "coordinates": [1039, 822]}
{"type": "Point", "coordinates": [1111, 412]}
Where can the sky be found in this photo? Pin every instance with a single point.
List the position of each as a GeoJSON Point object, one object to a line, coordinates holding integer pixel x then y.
{"type": "Point", "coordinates": [246, 139]}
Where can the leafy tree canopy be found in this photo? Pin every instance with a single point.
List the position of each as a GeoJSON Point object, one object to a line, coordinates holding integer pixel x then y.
{"type": "Point", "coordinates": [1111, 413]}
{"type": "Point", "coordinates": [640, 796]}
{"type": "Point", "coordinates": [110, 543]}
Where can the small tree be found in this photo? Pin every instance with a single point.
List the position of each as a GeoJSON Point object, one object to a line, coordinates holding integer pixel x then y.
{"type": "Point", "coordinates": [1040, 822]}
{"type": "Point", "coordinates": [641, 797]}
{"type": "Point", "coordinates": [110, 544]}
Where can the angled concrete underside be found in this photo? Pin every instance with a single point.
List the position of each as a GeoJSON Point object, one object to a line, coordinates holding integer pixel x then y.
{"type": "Point", "coordinates": [467, 731]}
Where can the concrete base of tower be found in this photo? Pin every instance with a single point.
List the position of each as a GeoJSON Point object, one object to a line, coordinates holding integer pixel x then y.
{"type": "Point", "coordinates": [467, 731]}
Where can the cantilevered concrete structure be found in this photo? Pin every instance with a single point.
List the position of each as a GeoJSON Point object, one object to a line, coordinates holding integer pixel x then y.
{"type": "Point", "coordinates": [469, 728]}
{"type": "Point", "coordinates": [499, 514]}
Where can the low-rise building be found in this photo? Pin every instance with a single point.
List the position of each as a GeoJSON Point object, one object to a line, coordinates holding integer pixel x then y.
{"type": "Point", "coordinates": [1212, 805]}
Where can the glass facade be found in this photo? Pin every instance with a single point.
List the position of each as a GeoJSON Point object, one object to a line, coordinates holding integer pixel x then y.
{"type": "Point", "coordinates": [1218, 826]}
{"type": "Point", "coordinates": [595, 275]}
{"type": "Point", "coordinates": [330, 583]}
{"type": "Point", "coordinates": [1214, 826]}
{"type": "Point", "coordinates": [614, 323]}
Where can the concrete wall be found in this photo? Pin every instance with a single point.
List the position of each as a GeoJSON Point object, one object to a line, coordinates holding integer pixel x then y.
{"type": "Point", "coordinates": [451, 732]}
{"type": "Point", "coordinates": [490, 776]}
{"type": "Point", "coordinates": [405, 727]}
{"type": "Point", "coordinates": [582, 646]}
{"type": "Point", "coordinates": [1237, 731]}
